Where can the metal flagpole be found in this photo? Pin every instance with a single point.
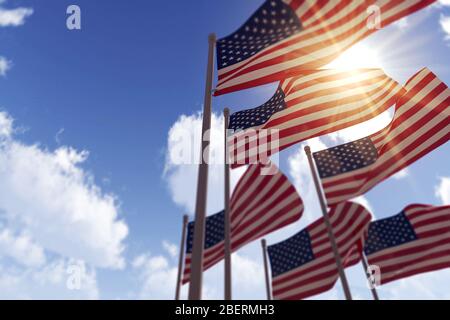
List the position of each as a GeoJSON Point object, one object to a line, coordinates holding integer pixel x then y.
{"type": "Point", "coordinates": [181, 258]}
{"type": "Point", "coordinates": [266, 269]}
{"type": "Point", "coordinates": [366, 266]}
{"type": "Point", "coordinates": [195, 286]}
{"type": "Point", "coordinates": [226, 115]}
{"type": "Point", "coordinates": [323, 205]}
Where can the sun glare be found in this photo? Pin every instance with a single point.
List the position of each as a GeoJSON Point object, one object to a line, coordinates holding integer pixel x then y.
{"type": "Point", "coordinates": [358, 56]}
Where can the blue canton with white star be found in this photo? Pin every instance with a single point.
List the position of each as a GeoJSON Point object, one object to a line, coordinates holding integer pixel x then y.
{"type": "Point", "coordinates": [242, 120]}
{"type": "Point", "coordinates": [291, 253]}
{"type": "Point", "coordinates": [214, 231]}
{"type": "Point", "coordinates": [390, 232]}
{"type": "Point", "coordinates": [272, 22]}
{"type": "Point", "coordinates": [345, 158]}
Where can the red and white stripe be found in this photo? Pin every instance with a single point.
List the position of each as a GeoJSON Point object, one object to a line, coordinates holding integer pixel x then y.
{"type": "Point", "coordinates": [330, 27]}
{"type": "Point", "coordinates": [321, 102]}
{"type": "Point", "coordinates": [260, 204]}
{"type": "Point", "coordinates": [350, 222]}
{"type": "Point", "coordinates": [421, 124]}
{"type": "Point", "coordinates": [431, 250]}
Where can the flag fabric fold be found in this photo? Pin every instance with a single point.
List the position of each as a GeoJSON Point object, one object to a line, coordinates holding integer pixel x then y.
{"type": "Point", "coordinates": [304, 265]}
{"type": "Point", "coordinates": [260, 204]}
{"type": "Point", "coordinates": [321, 102]}
{"type": "Point", "coordinates": [421, 124]}
{"type": "Point", "coordinates": [283, 38]}
{"type": "Point", "coordinates": [415, 241]}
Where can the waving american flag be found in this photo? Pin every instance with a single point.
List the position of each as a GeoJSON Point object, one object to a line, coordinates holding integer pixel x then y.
{"type": "Point", "coordinates": [260, 204]}
{"type": "Point", "coordinates": [416, 240]}
{"type": "Point", "coordinates": [317, 103]}
{"type": "Point", "coordinates": [421, 124]}
{"type": "Point", "coordinates": [283, 38]}
{"type": "Point", "coordinates": [304, 265]}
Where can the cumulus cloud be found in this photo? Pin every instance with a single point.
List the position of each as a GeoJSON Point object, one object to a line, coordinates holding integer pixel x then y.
{"type": "Point", "coordinates": [428, 286]}
{"type": "Point", "coordinates": [5, 65]}
{"type": "Point", "coordinates": [444, 20]}
{"type": "Point", "coordinates": [6, 125]}
{"type": "Point", "coordinates": [445, 25]}
{"type": "Point", "coordinates": [182, 158]}
{"type": "Point", "coordinates": [157, 276]}
{"type": "Point", "coordinates": [442, 191]}
{"type": "Point", "coordinates": [14, 17]}
{"type": "Point", "coordinates": [444, 3]}
{"type": "Point", "coordinates": [21, 248]}
{"type": "Point", "coordinates": [170, 248]}
{"type": "Point", "coordinates": [49, 203]}
{"type": "Point", "coordinates": [402, 24]}
{"type": "Point", "coordinates": [11, 18]}
{"type": "Point", "coordinates": [401, 174]}
{"type": "Point", "coordinates": [51, 281]}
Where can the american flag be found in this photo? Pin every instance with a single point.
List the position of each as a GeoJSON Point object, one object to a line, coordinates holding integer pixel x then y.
{"type": "Point", "coordinates": [416, 240]}
{"type": "Point", "coordinates": [260, 204]}
{"type": "Point", "coordinates": [283, 38]}
{"type": "Point", "coordinates": [304, 265]}
{"type": "Point", "coordinates": [421, 124]}
{"type": "Point", "coordinates": [321, 102]}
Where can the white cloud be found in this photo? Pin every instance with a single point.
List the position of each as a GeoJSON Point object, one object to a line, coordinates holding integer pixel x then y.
{"type": "Point", "coordinates": [402, 24]}
{"type": "Point", "coordinates": [248, 279]}
{"type": "Point", "coordinates": [11, 18]}
{"type": "Point", "coordinates": [21, 248]}
{"type": "Point", "coordinates": [48, 201]}
{"type": "Point", "coordinates": [6, 125]}
{"type": "Point", "coordinates": [5, 65]}
{"type": "Point", "coordinates": [48, 282]}
{"type": "Point", "coordinates": [428, 286]}
{"type": "Point", "coordinates": [170, 248]}
{"type": "Point", "coordinates": [442, 191]}
{"type": "Point", "coordinates": [14, 17]}
{"type": "Point", "coordinates": [157, 275]}
{"type": "Point", "coordinates": [183, 151]}
{"type": "Point", "coordinates": [445, 25]}
{"type": "Point", "coordinates": [444, 2]}
{"type": "Point", "coordinates": [401, 174]}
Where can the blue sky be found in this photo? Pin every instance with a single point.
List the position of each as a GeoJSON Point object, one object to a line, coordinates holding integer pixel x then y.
{"type": "Point", "coordinates": [115, 89]}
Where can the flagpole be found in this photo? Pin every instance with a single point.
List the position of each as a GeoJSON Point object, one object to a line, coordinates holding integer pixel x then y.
{"type": "Point", "coordinates": [181, 258]}
{"type": "Point", "coordinates": [195, 285]}
{"type": "Point", "coordinates": [228, 283]}
{"type": "Point", "coordinates": [266, 269]}
{"type": "Point", "coordinates": [366, 267]}
{"type": "Point", "coordinates": [323, 206]}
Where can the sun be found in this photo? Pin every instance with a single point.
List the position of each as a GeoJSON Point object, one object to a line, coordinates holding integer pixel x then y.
{"type": "Point", "coordinates": [358, 56]}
